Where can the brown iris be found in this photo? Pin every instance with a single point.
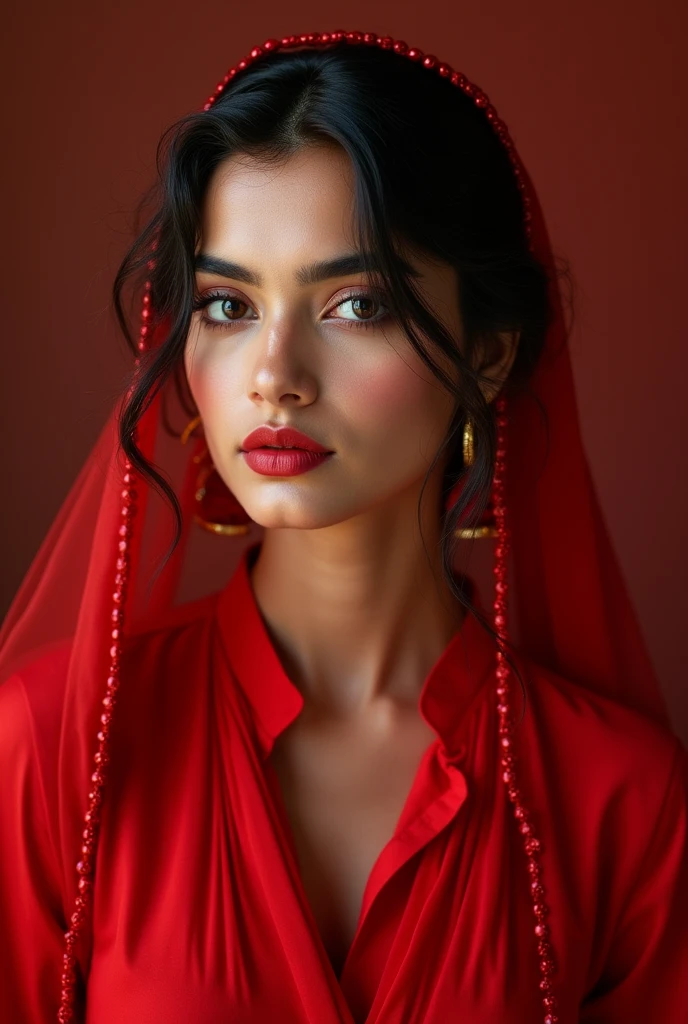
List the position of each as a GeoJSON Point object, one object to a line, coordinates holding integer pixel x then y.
{"type": "Point", "coordinates": [356, 303]}
{"type": "Point", "coordinates": [228, 308]}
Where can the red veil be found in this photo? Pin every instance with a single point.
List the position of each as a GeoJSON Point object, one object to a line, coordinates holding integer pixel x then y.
{"type": "Point", "coordinates": [92, 579]}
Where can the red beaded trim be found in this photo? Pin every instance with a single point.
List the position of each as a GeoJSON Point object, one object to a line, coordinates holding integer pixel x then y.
{"type": "Point", "coordinates": [532, 844]}
{"type": "Point", "coordinates": [86, 865]}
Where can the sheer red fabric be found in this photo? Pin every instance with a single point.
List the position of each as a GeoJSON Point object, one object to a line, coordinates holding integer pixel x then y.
{"type": "Point", "coordinates": [200, 909]}
{"type": "Point", "coordinates": [574, 619]}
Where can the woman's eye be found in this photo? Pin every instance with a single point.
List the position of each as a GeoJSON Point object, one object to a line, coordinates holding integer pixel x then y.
{"type": "Point", "coordinates": [361, 310]}
{"type": "Point", "coordinates": [226, 308]}
{"type": "Point", "coordinates": [221, 310]}
{"type": "Point", "coordinates": [356, 310]}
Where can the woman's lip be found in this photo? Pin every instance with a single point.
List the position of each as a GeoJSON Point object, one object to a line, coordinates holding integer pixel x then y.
{"type": "Point", "coordinates": [266, 436]}
{"type": "Point", "coordinates": [283, 461]}
{"type": "Point", "coordinates": [283, 448]}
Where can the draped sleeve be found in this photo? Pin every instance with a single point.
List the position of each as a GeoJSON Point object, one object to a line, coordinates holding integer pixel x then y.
{"type": "Point", "coordinates": [645, 975]}
{"type": "Point", "coordinates": [32, 910]}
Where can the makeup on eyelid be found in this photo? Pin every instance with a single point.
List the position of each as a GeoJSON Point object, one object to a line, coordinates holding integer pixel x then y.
{"type": "Point", "coordinates": [203, 303]}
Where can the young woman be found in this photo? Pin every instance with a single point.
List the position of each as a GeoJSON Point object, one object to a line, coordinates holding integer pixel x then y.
{"type": "Point", "coordinates": [304, 775]}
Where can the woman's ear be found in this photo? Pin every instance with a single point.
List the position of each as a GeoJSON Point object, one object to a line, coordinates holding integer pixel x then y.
{"type": "Point", "coordinates": [498, 358]}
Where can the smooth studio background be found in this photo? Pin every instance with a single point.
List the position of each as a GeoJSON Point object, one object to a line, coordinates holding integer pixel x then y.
{"type": "Point", "coordinates": [594, 96]}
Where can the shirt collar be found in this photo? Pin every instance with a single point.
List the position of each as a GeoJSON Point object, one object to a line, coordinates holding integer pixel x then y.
{"type": "Point", "coordinates": [466, 663]}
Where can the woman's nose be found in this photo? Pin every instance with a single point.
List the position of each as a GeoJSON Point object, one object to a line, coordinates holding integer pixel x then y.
{"type": "Point", "coordinates": [281, 369]}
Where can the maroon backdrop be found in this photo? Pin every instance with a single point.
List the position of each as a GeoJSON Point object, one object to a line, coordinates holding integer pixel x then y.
{"type": "Point", "coordinates": [595, 99]}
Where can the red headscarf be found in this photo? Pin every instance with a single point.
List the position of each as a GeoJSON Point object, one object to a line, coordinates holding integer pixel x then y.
{"type": "Point", "coordinates": [91, 579]}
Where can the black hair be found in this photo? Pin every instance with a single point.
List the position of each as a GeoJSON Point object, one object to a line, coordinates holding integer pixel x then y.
{"type": "Point", "coordinates": [430, 175]}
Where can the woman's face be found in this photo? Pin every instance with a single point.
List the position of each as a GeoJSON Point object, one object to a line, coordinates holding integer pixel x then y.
{"type": "Point", "coordinates": [283, 340]}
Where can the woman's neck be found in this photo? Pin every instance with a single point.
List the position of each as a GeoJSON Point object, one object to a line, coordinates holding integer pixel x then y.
{"type": "Point", "coordinates": [354, 622]}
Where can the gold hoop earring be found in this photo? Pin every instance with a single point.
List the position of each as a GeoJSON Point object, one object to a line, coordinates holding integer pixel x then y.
{"type": "Point", "coordinates": [189, 429]}
{"type": "Point", "coordinates": [487, 527]}
{"type": "Point", "coordinates": [218, 511]}
{"type": "Point", "coordinates": [468, 453]}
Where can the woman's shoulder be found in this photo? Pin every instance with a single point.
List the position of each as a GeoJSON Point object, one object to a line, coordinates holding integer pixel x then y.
{"type": "Point", "coordinates": [580, 706]}
{"type": "Point", "coordinates": [607, 752]}
{"type": "Point", "coordinates": [33, 694]}
{"type": "Point", "coordinates": [31, 700]}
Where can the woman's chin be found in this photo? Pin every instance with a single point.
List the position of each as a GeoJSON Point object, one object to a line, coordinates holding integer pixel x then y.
{"type": "Point", "coordinates": [273, 517]}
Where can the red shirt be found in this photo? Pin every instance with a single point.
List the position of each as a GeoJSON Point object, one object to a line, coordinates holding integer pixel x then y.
{"type": "Point", "coordinates": [200, 914]}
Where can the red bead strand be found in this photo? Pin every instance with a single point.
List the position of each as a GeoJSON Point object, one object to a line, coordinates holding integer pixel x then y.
{"type": "Point", "coordinates": [524, 822]}
{"type": "Point", "coordinates": [86, 864]}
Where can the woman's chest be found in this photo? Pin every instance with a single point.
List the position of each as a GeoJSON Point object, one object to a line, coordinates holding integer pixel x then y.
{"type": "Point", "coordinates": [343, 788]}
{"type": "Point", "coordinates": [199, 911]}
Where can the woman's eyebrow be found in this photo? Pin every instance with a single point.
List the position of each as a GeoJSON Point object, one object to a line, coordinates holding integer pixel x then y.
{"type": "Point", "coordinates": [312, 273]}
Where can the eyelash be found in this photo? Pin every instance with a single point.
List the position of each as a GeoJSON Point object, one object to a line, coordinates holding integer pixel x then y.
{"type": "Point", "coordinates": [201, 302]}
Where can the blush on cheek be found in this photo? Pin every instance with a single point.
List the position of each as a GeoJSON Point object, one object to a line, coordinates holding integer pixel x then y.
{"type": "Point", "coordinates": [213, 380]}
{"type": "Point", "coordinates": [393, 392]}
{"type": "Point", "coordinates": [402, 415]}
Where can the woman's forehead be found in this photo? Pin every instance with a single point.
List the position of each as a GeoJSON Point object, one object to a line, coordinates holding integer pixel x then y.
{"type": "Point", "coordinates": [306, 198]}
{"type": "Point", "coordinates": [294, 212]}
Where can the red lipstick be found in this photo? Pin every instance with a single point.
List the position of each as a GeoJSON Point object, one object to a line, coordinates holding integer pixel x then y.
{"type": "Point", "coordinates": [282, 451]}
{"type": "Point", "coordinates": [280, 437]}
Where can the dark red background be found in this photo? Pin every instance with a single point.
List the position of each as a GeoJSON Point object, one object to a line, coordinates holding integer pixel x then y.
{"type": "Point", "coordinates": [595, 96]}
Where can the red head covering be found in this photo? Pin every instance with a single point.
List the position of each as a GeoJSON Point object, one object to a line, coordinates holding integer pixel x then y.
{"type": "Point", "coordinates": [91, 579]}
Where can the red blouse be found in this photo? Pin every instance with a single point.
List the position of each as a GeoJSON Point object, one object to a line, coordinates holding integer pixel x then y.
{"type": "Point", "coordinates": [200, 914]}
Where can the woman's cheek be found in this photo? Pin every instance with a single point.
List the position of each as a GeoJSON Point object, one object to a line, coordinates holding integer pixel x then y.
{"type": "Point", "coordinates": [212, 377]}
{"type": "Point", "coordinates": [395, 400]}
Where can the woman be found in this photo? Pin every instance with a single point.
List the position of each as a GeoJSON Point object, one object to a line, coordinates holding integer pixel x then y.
{"type": "Point", "coordinates": [326, 785]}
